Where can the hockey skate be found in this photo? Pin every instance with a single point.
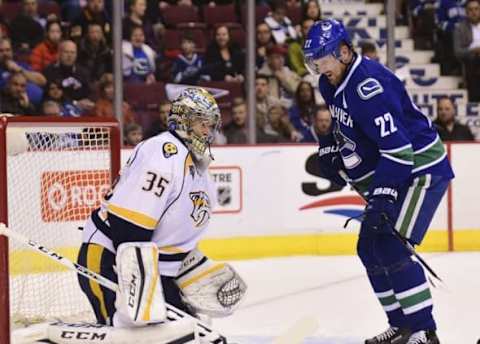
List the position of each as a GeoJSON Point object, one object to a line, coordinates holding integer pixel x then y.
{"type": "Point", "coordinates": [392, 335]}
{"type": "Point", "coordinates": [423, 337]}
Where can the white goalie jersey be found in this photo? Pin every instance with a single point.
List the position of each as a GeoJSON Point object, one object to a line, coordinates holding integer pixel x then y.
{"type": "Point", "coordinates": [160, 189]}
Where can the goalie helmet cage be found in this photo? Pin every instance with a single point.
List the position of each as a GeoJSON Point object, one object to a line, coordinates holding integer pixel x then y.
{"type": "Point", "coordinates": [53, 173]}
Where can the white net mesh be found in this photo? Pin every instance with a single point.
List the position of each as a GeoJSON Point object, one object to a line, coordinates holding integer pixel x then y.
{"type": "Point", "coordinates": [55, 177]}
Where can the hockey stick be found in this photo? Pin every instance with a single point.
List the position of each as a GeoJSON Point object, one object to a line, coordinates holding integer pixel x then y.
{"type": "Point", "coordinates": [173, 313]}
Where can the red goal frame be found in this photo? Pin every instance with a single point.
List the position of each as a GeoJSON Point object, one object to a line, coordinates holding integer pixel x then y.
{"type": "Point", "coordinates": [26, 121]}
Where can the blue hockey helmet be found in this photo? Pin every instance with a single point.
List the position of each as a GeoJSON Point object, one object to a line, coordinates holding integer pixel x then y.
{"type": "Point", "coordinates": [324, 38]}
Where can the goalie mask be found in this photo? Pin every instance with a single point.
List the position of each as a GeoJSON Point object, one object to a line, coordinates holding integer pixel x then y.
{"type": "Point", "coordinates": [195, 117]}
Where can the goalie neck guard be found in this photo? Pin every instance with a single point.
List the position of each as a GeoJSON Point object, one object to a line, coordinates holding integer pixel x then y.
{"type": "Point", "coordinates": [195, 104]}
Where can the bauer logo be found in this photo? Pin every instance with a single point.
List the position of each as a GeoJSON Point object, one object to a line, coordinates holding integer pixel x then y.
{"type": "Point", "coordinates": [72, 195]}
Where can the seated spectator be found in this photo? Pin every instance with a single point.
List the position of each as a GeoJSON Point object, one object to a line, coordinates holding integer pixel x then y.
{"type": "Point", "coordinates": [312, 10]}
{"type": "Point", "coordinates": [94, 54]}
{"type": "Point", "coordinates": [188, 67]}
{"type": "Point", "coordinates": [94, 12]}
{"type": "Point", "coordinates": [46, 52]}
{"type": "Point", "coordinates": [448, 128]}
{"type": "Point", "coordinates": [448, 14]}
{"type": "Point", "coordinates": [14, 98]}
{"type": "Point", "coordinates": [139, 59]}
{"type": "Point", "coordinates": [264, 41]}
{"type": "Point", "coordinates": [54, 92]}
{"type": "Point", "coordinates": [104, 104]}
{"type": "Point", "coordinates": [159, 124]}
{"type": "Point", "coordinates": [73, 77]}
{"type": "Point", "coordinates": [369, 50]}
{"type": "Point", "coordinates": [295, 51]}
{"type": "Point", "coordinates": [302, 111]}
{"type": "Point", "coordinates": [322, 122]}
{"type": "Point", "coordinates": [224, 59]}
{"type": "Point", "coordinates": [26, 30]}
{"type": "Point", "coordinates": [136, 17]}
{"type": "Point", "coordinates": [275, 130]}
{"type": "Point", "coordinates": [8, 66]}
{"type": "Point", "coordinates": [283, 82]}
{"type": "Point", "coordinates": [133, 134]}
{"type": "Point", "coordinates": [236, 130]}
{"type": "Point", "coordinates": [282, 29]}
{"type": "Point", "coordinates": [51, 108]}
{"type": "Point", "coordinates": [467, 48]}
{"type": "Point", "coordinates": [423, 22]}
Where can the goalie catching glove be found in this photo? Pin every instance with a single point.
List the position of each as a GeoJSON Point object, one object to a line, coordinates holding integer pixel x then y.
{"type": "Point", "coordinates": [210, 288]}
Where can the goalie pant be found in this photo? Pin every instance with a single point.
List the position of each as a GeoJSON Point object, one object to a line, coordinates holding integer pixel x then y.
{"type": "Point", "coordinates": [100, 260]}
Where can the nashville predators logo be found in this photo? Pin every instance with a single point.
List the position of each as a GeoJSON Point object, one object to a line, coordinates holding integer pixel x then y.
{"type": "Point", "coordinates": [201, 208]}
{"type": "Point", "coordinates": [169, 149]}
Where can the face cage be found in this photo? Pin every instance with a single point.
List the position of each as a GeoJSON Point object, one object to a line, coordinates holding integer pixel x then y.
{"type": "Point", "coordinates": [199, 144]}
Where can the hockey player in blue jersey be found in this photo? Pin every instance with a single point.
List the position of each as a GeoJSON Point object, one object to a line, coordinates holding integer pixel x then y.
{"type": "Point", "coordinates": [388, 150]}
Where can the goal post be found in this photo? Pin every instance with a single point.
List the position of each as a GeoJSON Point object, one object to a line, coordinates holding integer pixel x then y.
{"type": "Point", "coordinates": [53, 173]}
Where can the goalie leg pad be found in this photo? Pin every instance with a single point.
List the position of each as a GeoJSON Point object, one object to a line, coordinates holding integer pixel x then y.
{"type": "Point", "coordinates": [210, 288]}
{"type": "Point", "coordinates": [179, 332]}
{"type": "Point", "coordinates": [140, 296]}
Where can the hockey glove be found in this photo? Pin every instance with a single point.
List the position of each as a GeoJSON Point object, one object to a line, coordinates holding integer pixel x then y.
{"type": "Point", "coordinates": [330, 161]}
{"type": "Point", "coordinates": [380, 209]}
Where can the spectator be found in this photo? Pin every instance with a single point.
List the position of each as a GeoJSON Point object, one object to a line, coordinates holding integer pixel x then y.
{"type": "Point", "coordinates": [8, 66]}
{"type": "Point", "coordinates": [448, 128]}
{"type": "Point", "coordinates": [51, 108]}
{"type": "Point", "coordinates": [139, 59]}
{"type": "Point", "coordinates": [274, 131]}
{"type": "Point", "coordinates": [302, 111]}
{"type": "Point", "coordinates": [322, 122]}
{"type": "Point", "coordinates": [94, 12]}
{"type": "Point", "coordinates": [93, 52]}
{"type": "Point", "coordinates": [312, 10]}
{"type": "Point", "coordinates": [423, 22]}
{"type": "Point", "coordinates": [236, 130]}
{"type": "Point", "coordinates": [104, 104]}
{"type": "Point", "coordinates": [54, 92]}
{"type": "Point", "coordinates": [136, 17]}
{"type": "Point", "coordinates": [133, 134]}
{"type": "Point", "coordinates": [188, 67]}
{"type": "Point", "coordinates": [74, 78]}
{"type": "Point", "coordinates": [369, 50]}
{"type": "Point", "coordinates": [467, 48]}
{"type": "Point", "coordinates": [264, 41]}
{"type": "Point", "coordinates": [449, 13]}
{"type": "Point", "coordinates": [282, 28]}
{"type": "Point", "coordinates": [282, 81]}
{"type": "Point", "coordinates": [295, 51]}
{"type": "Point", "coordinates": [46, 52]}
{"type": "Point", "coordinates": [224, 59]}
{"type": "Point", "coordinates": [159, 124]}
{"type": "Point", "coordinates": [27, 28]}
{"type": "Point", "coordinates": [14, 98]}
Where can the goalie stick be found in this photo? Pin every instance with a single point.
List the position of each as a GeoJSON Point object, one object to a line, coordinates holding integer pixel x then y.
{"type": "Point", "coordinates": [173, 313]}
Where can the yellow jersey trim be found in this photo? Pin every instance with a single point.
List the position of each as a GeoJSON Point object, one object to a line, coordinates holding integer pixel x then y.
{"type": "Point", "coordinates": [133, 216]}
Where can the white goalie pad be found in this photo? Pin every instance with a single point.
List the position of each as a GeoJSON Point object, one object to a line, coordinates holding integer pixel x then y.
{"type": "Point", "coordinates": [181, 331]}
{"type": "Point", "coordinates": [210, 288]}
{"type": "Point", "coordinates": [140, 297]}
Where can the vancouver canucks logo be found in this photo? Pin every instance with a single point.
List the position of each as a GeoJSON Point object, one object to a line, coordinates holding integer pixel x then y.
{"type": "Point", "coordinates": [201, 208]}
{"type": "Point", "coordinates": [327, 29]}
{"type": "Point", "coordinates": [346, 146]}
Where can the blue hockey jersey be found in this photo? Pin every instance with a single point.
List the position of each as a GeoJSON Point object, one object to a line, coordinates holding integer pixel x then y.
{"type": "Point", "coordinates": [383, 138]}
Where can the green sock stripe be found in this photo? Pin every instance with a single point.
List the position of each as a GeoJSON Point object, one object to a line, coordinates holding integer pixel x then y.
{"type": "Point", "coordinates": [388, 300]}
{"type": "Point", "coordinates": [415, 299]}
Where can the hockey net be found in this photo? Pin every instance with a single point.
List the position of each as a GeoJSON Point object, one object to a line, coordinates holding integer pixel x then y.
{"type": "Point", "coordinates": [53, 174]}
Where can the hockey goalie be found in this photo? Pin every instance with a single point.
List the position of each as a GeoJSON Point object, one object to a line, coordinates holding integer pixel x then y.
{"type": "Point", "coordinates": [144, 238]}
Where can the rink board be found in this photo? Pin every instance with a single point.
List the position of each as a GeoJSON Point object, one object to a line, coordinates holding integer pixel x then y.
{"type": "Point", "coordinates": [272, 203]}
